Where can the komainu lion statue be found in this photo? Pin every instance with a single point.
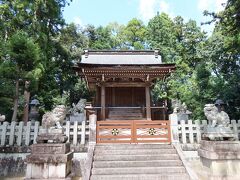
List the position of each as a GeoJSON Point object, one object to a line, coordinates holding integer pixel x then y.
{"type": "Point", "coordinates": [55, 118]}
{"type": "Point", "coordinates": [79, 107]}
{"type": "Point", "coordinates": [216, 117]}
{"type": "Point", "coordinates": [218, 124]}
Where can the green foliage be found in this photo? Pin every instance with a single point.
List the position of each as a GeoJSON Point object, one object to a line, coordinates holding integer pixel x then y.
{"type": "Point", "coordinates": [223, 52]}
{"type": "Point", "coordinates": [134, 34]}
{"type": "Point", "coordinates": [23, 53]}
{"type": "Point", "coordinates": [37, 45]}
{"type": "Point", "coordinates": [161, 35]}
{"type": "Point", "coordinates": [80, 91]}
{"type": "Point", "coordinates": [159, 91]}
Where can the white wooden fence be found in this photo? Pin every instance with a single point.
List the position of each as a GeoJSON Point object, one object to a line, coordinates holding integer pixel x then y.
{"type": "Point", "coordinates": [189, 132]}
{"type": "Point", "coordinates": [17, 134]}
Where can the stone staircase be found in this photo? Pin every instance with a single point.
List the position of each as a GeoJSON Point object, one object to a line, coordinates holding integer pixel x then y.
{"type": "Point", "coordinates": [137, 162]}
{"type": "Point", "coordinates": [125, 114]}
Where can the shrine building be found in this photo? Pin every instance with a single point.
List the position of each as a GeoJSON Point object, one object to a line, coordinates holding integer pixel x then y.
{"type": "Point", "coordinates": [122, 81]}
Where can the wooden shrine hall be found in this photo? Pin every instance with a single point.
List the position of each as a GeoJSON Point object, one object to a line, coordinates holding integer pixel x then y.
{"type": "Point", "coordinates": [122, 81]}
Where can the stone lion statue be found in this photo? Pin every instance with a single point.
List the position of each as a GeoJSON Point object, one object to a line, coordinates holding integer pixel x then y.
{"type": "Point", "coordinates": [79, 107]}
{"type": "Point", "coordinates": [215, 117]}
{"type": "Point", "coordinates": [218, 127]}
{"type": "Point", "coordinates": [55, 118]}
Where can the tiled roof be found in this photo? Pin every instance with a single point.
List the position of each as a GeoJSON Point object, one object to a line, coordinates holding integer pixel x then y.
{"type": "Point", "coordinates": [121, 57]}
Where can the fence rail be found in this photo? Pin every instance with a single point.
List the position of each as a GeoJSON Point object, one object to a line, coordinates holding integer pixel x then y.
{"type": "Point", "coordinates": [133, 131]}
{"type": "Point", "coordinates": [189, 132]}
{"type": "Point", "coordinates": [18, 134]}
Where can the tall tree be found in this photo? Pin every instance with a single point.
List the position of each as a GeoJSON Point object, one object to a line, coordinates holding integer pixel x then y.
{"type": "Point", "coordinates": [41, 22]}
{"type": "Point", "coordinates": [24, 56]}
{"type": "Point", "coordinates": [134, 34]}
{"type": "Point", "coordinates": [223, 51]}
{"type": "Point", "coordinates": [161, 35]}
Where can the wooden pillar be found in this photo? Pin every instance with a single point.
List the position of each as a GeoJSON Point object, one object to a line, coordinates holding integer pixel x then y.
{"type": "Point", "coordinates": [97, 99]}
{"type": "Point", "coordinates": [148, 103]}
{"type": "Point", "coordinates": [103, 100]}
{"type": "Point", "coordinates": [132, 96]}
{"type": "Point", "coordinates": [113, 96]}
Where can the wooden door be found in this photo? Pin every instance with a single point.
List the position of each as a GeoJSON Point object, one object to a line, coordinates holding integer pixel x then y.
{"type": "Point", "coordinates": [129, 96]}
{"type": "Point", "coordinates": [123, 97]}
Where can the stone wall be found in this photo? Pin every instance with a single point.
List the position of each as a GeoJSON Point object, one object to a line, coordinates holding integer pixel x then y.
{"type": "Point", "coordinates": [12, 160]}
{"type": "Point", "coordinates": [13, 164]}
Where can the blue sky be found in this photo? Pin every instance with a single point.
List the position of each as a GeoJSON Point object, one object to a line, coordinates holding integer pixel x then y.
{"type": "Point", "coordinates": [102, 12]}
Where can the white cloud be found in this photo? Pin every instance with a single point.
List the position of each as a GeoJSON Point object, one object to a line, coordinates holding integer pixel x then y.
{"type": "Point", "coordinates": [146, 8]}
{"type": "Point", "coordinates": [219, 5]}
{"type": "Point", "coordinates": [164, 6]}
{"type": "Point", "coordinates": [149, 8]}
{"type": "Point", "coordinates": [77, 20]}
{"type": "Point", "coordinates": [211, 5]}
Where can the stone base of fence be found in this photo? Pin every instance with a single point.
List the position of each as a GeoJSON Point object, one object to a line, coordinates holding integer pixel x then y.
{"type": "Point", "coordinates": [13, 164]}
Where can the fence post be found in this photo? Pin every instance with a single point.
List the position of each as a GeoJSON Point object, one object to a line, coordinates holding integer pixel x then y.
{"type": "Point", "coordinates": [174, 128]}
{"type": "Point", "coordinates": [36, 128]}
{"type": "Point", "coordinates": [68, 130]}
{"type": "Point", "coordinates": [4, 133]}
{"type": "Point", "coordinates": [28, 133]}
{"type": "Point", "coordinates": [183, 128]}
{"type": "Point", "coordinates": [197, 124]}
{"type": "Point", "coordinates": [20, 131]}
{"type": "Point", "coordinates": [75, 132]}
{"type": "Point", "coordinates": [12, 132]}
{"type": "Point", "coordinates": [83, 132]}
{"type": "Point", "coordinates": [235, 129]}
{"type": "Point", "coordinates": [204, 124]}
{"type": "Point", "coordinates": [92, 129]}
{"type": "Point", "coordinates": [190, 128]}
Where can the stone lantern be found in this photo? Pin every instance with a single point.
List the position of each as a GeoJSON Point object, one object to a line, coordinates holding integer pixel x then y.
{"type": "Point", "coordinates": [33, 115]}
{"type": "Point", "coordinates": [220, 105]}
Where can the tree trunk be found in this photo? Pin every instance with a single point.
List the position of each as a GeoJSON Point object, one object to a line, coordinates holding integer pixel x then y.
{"type": "Point", "coordinates": [15, 108]}
{"type": "Point", "coordinates": [26, 101]}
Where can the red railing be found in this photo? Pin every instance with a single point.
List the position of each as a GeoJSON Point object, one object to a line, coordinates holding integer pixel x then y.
{"type": "Point", "coordinates": [133, 131]}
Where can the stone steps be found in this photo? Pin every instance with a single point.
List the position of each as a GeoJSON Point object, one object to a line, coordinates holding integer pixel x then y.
{"type": "Point", "coordinates": [125, 114]}
{"type": "Point", "coordinates": [150, 163]}
{"type": "Point", "coordinates": [136, 162]}
{"type": "Point", "coordinates": [134, 151]}
{"type": "Point", "coordinates": [133, 146]}
{"type": "Point", "coordinates": [136, 157]}
{"type": "Point", "coordinates": [176, 176]}
{"type": "Point", "coordinates": [137, 170]}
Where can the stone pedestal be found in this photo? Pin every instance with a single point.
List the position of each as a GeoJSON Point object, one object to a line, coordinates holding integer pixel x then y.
{"type": "Point", "coordinates": [49, 161]}
{"type": "Point", "coordinates": [218, 133]}
{"type": "Point", "coordinates": [221, 157]}
{"type": "Point", "coordinates": [79, 117]}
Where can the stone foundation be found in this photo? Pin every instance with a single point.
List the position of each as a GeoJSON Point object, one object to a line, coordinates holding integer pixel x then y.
{"type": "Point", "coordinates": [49, 161]}
{"type": "Point", "coordinates": [222, 158]}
